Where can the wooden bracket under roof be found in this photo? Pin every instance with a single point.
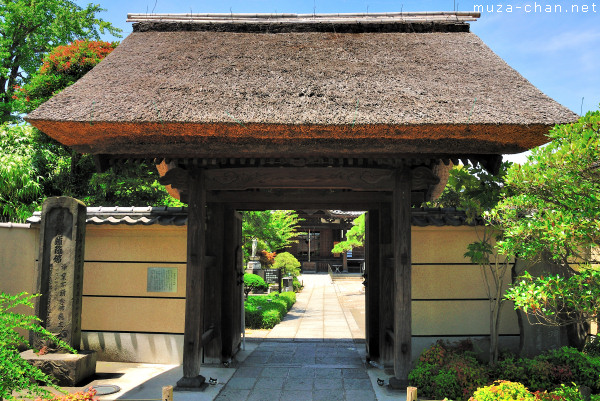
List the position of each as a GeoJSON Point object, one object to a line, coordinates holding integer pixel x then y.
{"type": "Point", "coordinates": [490, 162]}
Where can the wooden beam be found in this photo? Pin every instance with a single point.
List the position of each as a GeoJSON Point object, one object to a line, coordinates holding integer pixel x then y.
{"type": "Point", "coordinates": [195, 274]}
{"type": "Point", "coordinates": [402, 272]}
{"type": "Point", "coordinates": [299, 195]}
{"type": "Point", "coordinates": [360, 179]}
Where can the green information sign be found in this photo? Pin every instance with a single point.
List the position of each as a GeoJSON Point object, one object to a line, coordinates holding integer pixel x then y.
{"type": "Point", "coordinates": [162, 279]}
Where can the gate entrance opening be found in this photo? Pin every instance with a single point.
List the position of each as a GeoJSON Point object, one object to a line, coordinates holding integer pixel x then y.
{"type": "Point", "coordinates": [385, 189]}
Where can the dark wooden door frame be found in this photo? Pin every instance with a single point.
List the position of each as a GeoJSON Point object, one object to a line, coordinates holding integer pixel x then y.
{"type": "Point", "coordinates": [377, 202]}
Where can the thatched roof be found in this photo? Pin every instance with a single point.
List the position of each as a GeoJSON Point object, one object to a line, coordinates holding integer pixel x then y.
{"type": "Point", "coordinates": [254, 87]}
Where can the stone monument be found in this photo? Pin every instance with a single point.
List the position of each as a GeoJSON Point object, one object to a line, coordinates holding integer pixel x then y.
{"type": "Point", "coordinates": [60, 283]}
{"type": "Point", "coordinates": [254, 262]}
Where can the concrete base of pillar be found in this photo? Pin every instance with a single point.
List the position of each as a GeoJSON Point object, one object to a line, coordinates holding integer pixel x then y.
{"type": "Point", "coordinates": [69, 370]}
{"type": "Point", "coordinates": [197, 383]}
{"type": "Point", "coordinates": [398, 384]}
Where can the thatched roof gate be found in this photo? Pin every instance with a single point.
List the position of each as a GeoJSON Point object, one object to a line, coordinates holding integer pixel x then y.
{"type": "Point", "coordinates": [355, 111]}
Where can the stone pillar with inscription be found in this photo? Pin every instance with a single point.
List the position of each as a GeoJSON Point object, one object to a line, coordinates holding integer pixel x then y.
{"type": "Point", "coordinates": [60, 283]}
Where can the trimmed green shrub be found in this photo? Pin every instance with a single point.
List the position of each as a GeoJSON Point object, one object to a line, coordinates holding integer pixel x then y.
{"type": "Point", "coordinates": [538, 374]}
{"type": "Point", "coordinates": [567, 393]}
{"type": "Point", "coordinates": [288, 264]}
{"type": "Point", "coordinates": [470, 373]}
{"type": "Point", "coordinates": [445, 384]}
{"type": "Point", "coordinates": [289, 297]}
{"type": "Point", "coordinates": [270, 319]}
{"type": "Point", "coordinates": [253, 282]}
{"type": "Point", "coordinates": [298, 286]}
{"type": "Point", "coordinates": [509, 368]}
{"type": "Point", "coordinates": [266, 311]}
{"type": "Point", "coordinates": [570, 365]}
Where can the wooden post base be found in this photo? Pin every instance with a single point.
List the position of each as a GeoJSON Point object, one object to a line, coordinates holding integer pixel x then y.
{"type": "Point", "coordinates": [398, 384]}
{"type": "Point", "coordinates": [196, 383]}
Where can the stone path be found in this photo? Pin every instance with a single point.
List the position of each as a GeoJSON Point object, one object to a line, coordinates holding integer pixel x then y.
{"type": "Point", "coordinates": [311, 355]}
{"type": "Point", "coordinates": [316, 316]}
{"type": "Point", "coordinates": [301, 371]}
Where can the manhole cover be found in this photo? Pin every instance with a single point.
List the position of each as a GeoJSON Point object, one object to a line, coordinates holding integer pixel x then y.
{"type": "Point", "coordinates": [105, 389]}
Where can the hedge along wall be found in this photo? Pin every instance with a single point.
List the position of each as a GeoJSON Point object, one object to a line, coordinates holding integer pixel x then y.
{"type": "Point", "coordinates": [125, 322]}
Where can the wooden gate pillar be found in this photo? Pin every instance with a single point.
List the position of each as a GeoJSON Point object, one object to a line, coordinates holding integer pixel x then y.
{"type": "Point", "coordinates": [195, 272]}
{"type": "Point", "coordinates": [213, 282]}
{"type": "Point", "coordinates": [372, 284]}
{"type": "Point", "coordinates": [402, 272]}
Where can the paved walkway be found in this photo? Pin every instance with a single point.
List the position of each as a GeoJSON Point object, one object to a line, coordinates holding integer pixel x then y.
{"type": "Point", "coordinates": [310, 355]}
{"type": "Point", "coordinates": [317, 315]}
{"type": "Point", "coordinates": [316, 353]}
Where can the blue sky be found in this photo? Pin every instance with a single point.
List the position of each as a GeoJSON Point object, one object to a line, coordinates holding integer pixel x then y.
{"type": "Point", "coordinates": [557, 51]}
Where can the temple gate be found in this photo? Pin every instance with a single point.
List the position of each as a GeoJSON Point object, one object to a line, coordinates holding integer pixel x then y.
{"type": "Point", "coordinates": [255, 112]}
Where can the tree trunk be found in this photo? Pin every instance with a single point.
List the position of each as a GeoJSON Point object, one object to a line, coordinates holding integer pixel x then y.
{"type": "Point", "coordinates": [576, 334]}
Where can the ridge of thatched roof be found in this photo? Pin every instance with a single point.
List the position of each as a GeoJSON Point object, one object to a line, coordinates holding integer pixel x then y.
{"type": "Point", "coordinates": [441, 21]}
{"type": "Point", "coordinates": [209, 93]}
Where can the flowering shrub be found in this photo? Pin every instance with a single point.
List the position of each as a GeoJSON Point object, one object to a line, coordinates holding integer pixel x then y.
{"type": "Point", "coordinates": [267, 258]}
{"type": "Point", "coordinates": [88, 395]}
{"type": "Point", "coordinates": [452, 371]}
{"type": "Point", "coordinates": [434, 355]}
{"type": "Point", "coordinates": [76, 58]}
{"type": "Point", "coordinates": [62, 67]}
{"type": "Point", "coordinates": [568, 299]}
{"type": "Point", "coordinates": [503, 390]}
{"type": "Point", "coordinates": [446, 370]}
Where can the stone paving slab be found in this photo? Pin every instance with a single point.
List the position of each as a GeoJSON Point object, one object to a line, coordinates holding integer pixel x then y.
{"type": "Point", "coordinates": [310, 355]}
{"type": "Point", "coordinates": [302, 371]}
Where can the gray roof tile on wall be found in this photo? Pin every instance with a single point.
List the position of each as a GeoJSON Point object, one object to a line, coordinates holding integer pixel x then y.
{"type": "Point", "coordinates": [177, 216]}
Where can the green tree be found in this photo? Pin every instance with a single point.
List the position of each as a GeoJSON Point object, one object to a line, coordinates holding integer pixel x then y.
{"type": "Point", "coordinates": [22, 166]}
{"type": "Point", "coordinates": [288, 264]}
{"type": "Point", "coordinates": [477, 191]}
{"type": "Point", "coordinates": [31, 28]}
{"type": "Point", "coordinates": [253, 282]}
{"type": "Point", "coordinates": [16, 374]}
{"type": "Point", "coordinates": [38, 167]}
{"type": "Point", "coordinates": [355, 237]}
{"type": "Point", "coordinates": [61, 67]}
{"type": "Point", "coordinates": [274, 229]}
{"type": "Point", "coordinates": [555, 205]}
{"type": "Point", "coordinates": [34, 167]}
{"type": "Point", "coordinates": [554, 211]}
